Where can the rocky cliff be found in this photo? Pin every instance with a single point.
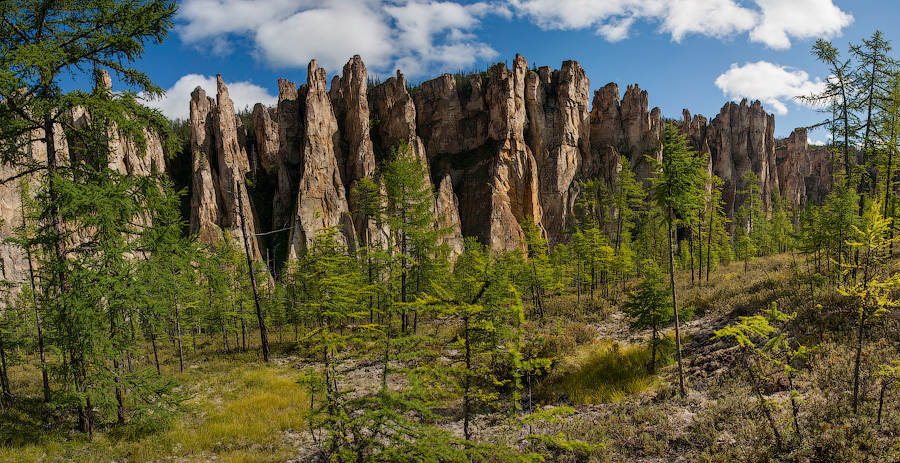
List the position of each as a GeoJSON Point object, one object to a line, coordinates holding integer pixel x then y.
{"type": "Point", "coordinates": [805, 173]}
{"type": "Point", "coordinates": [500, 145]}
{"type": "Point", "coordinates": [740, 139]}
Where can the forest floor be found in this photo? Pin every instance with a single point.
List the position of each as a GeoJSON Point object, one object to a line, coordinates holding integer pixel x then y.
{"type": "Point", "coordinates": [239, 409]}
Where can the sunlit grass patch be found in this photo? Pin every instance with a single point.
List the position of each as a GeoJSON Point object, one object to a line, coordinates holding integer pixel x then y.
{"type": "Point", "coordinates": [606, 372]}
{"type": "Point", "coordinates": [255, 406]}
{"type": "Point", "coordinates": [235, 412]}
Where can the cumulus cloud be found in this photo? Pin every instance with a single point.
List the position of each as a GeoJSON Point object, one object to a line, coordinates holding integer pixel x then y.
{"type": "Point", "coordinates": [772, 22]}
{"type": "Point", "coordinates": [176, 102]}
{"type": "Point", "coordinates": [798, 18]}
{"type": "Point", "coordinates": [770, 83]}
{"type": "Point", "coordinates": [429, 34]}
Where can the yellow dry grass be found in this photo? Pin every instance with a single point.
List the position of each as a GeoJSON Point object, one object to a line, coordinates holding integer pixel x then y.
{"type": "Point", "coordinates": [237, 412]}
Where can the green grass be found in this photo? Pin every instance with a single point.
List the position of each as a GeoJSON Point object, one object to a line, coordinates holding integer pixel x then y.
{"type": "Point", "coordinates": [237, 411]}
{"type": "Point", "coordinates": [606, 372]}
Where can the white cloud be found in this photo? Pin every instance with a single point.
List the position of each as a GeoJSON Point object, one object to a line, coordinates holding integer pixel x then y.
{"type": "Point", "coordinates": [810, 141]}
{"type": "Point", "coordinates": [213, 20]}
{"type": "Point", "coordinates": [772, 23]}
{"type": "Point", "coordinates": [176, 102]}
{"type": "Point", "coordinates": [431, 34]}
{"type": "Point", "coordinates": [322, 34]}
{"type": "Point", "coordinates": [419, 24]}
{"type": "Point", "coordinates": [770, 83]}
{"type": "Point", "coordinates": [716, 18]}
{"type": "Point", "coordinates": [798, 18]}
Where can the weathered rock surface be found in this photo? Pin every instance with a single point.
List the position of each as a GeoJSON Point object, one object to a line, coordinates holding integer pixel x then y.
{"type": "Point", "coordinates": [558, 106]}
{"type": "Point", "coordinates": [321, 199]}
{"type": "Point", "coordinates": [626, 128]}
{"type": "Point", "coordinates": [220, 164]}
{"type": "Point", "coordinates": [352, 110]}
{"type": "Point", "coordinates": [206, 212]}
{"type": "Point", "coordinates": [394, 118]}
{"type": "Point", "coordinates": [741, 138]}
{"type": "Point", "coordinates": [13, 258]}
{"type": "Point", "coordinates": [476, 135]}
{"type": "Point", "coordinates": [446, 211]}
{"type": "Point", "coordinates": [266, 137]}
{"type": "Point", "coordinates": [123, 156]}
{"type": "Point", "coordinates": [499, 146]}
{"type": "Point", "coordinates": [804, 172]}
{"type": "Point", "coordinates": [351, 107]}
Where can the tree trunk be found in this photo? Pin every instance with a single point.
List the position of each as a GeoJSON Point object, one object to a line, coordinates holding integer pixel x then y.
{"type": "Point", "coordinates": [675, 305]}
{"type": "Point", "coordinates": [712, 214]}
{"type": "Point", "coordinates": [85, 412]}
{"type": "Point", "coordinates": [178, 328]}
{"type": "Point", "coordinates": [858, 360]}
{"type": "Point", "coordinates": [691, 251]}
{"type": "Point", "coordinates": [155, 350]}
{"type": "Point", "coordinates": [467, 400]}
{"type": "Point", "coordinates": [263, 334]}
{"type": "Point", "coordinates": [37, 313]}
{"type": "Point", "coordinates": [4, 379]}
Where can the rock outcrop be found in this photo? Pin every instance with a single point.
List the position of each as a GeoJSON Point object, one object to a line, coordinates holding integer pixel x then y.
{"type": "Point", "coordinates": [14, 266]}
{"type": "Point", "coordinates": [476, 135]}
{"type": "Point", "coordinates": [394, 118]}
{"type": "Point", "coordinates": [499, 146]}
{"type": "Point", "coordinates": [321, 198]}
{"type": "Point", "coordinates": [741, 139]}
{"type": "Point", "coordinates": [804, 172]}
{"type": "Point", "coordinates": [206, 212]}
{"type": "Point", "coordinates": [220, 165]}
{"type": "Point", "coordinates": [351, 106]}
{"type": "Point", "coordinates": [121, 154]}
{"type": "Point", "coordinates": [558, 107]}
{"type": "Point", "coordinates": [266, 138]}
{"type": "Point", "coordinates": [626, 128]}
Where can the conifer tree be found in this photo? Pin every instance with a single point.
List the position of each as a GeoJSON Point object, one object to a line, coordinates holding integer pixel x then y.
{"type": "Point", "coordinates": [410, 216]}
{"type": "Point", "coordinates": [648, 307]}
{"type": "Point", "coordinates": [45, 41]}
{"type": "Point", "coordinates": [871, 293]}
{"type": "Point", "coordinates": [538, 263]}
{"type": "Point", "coordinates": [678, 191]}
{"type": "Point", "coordinates": [838, 101]}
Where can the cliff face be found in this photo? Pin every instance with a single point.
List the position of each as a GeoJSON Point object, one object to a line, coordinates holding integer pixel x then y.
{"type": "Point", "coordinates": [625, 128]}
{"type": "Point", "coordinates": [220, 164]}
{"type": "Point", "coordinates": [740, 139]}
{"type": "Point", "coordinates": [476, 135]}
{"type": "Point", "coordinates": [499, 145]}
{"type": "Point", "coordinates": [14, 259]}
{"type": "Point", "coordinates": [559, 117]}
{"type": "Point", "coordinates": [804, 172]}
{"type": "Point", "coordinates": [321, 198]}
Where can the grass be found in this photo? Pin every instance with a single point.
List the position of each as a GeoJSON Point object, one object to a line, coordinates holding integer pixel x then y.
{"type": "Point", "coordinates": [237, 411]}
{"type": "Point", "coordinates": [606, 372]}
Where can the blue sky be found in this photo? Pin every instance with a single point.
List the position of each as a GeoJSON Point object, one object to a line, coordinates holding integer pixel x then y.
{"type": "Point", "coordinates": [694, 54]}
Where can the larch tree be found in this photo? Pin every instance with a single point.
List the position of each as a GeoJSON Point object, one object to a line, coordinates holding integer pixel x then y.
{"type": "Point", "coordinates": [44, 43]}
{"type": "Point", "coordinates": [838, 101]}
{"type": "Point", "coordinates": [409, 213]}
{"type": "Point", "coordinates": [678, 191]}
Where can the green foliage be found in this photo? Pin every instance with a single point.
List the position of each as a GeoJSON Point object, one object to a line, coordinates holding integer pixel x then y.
{"type": "Point", "coordinates": [765, 336]}
{"type": "Point", "coordinates": [678, 191]}
{"type": "Point", "coordinates": [649, 307]}
{"type": "Point", "coordinates": [92, 218]}
{"type": "Point", "coordinates": [409, 215]}
{"type": "Point", "coordinates": [538, 278]}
